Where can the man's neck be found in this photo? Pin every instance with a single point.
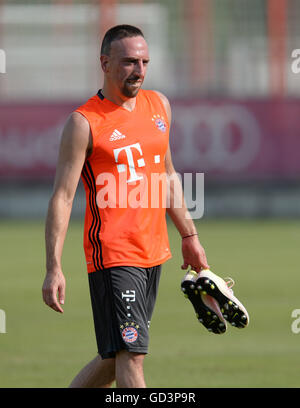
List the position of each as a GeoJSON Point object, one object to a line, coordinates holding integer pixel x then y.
{"type": "Point", "coordinates": [126, 103]}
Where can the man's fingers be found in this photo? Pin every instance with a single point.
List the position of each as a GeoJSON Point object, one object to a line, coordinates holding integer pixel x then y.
{"type": "Point", "coordinates": [205, 265]}
{"type": "Point", "coordinates": [61, 294]}
{"type": "Point", "coordinates": [184, 266]}
{"type": "Point", "coordinates": [55, 306]}
{"type": "Point", "coordinates": [50, 299]}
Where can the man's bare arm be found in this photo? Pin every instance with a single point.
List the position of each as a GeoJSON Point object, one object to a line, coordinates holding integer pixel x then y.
{"type": "Point", "coordinates": [75, 145]}
{"type": "Point", "coordinates": [192, 251]}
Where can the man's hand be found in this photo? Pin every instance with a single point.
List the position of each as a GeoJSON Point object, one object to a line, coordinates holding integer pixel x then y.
{"type": "Point", "coordinates": [54, 284]}
{"type": "Point", "coordinates": [193, 254]}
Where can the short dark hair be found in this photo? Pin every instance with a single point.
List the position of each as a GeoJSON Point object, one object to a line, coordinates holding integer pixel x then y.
{"type": "Point", "coordinates": [117, 33]}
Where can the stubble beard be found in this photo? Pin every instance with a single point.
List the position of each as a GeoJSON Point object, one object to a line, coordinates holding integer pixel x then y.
{"type": "Point", "coordinates": [130, 92]}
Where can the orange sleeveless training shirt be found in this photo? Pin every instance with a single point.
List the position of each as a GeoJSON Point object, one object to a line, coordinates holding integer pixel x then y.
{"type": "Point", "coordinates": [124, 180]}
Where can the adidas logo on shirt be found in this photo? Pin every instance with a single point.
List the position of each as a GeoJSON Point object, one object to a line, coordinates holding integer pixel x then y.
{"type": "Point", "coordinates": [116, 135]}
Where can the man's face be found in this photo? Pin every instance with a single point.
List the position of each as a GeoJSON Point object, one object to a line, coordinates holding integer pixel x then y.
{"type": "Point", "coordinates": [126, 65]}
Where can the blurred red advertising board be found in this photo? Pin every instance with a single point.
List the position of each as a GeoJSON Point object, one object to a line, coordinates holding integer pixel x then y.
{"type": "Point", "coordinates": [236, 140]}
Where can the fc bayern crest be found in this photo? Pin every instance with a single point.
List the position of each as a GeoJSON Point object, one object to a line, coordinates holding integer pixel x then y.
{"type": "Point", "coordinates": [159, 122]}
{"type": "Point", "coordinates": [129, 334]}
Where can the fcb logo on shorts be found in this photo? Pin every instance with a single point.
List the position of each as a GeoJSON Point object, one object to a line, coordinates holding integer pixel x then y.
{"type": "Point", "coordinates": [129, 334]}
{"type": "Point", "coordinates": [159, 122]}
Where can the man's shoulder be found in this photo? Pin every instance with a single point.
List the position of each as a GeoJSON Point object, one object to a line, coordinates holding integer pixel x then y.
{"type": "Point", "coordinates": [158, 94]}
{"type": "Point", "coordinates": [150, 92]}
{"type": "Point", "coordinates": [77, 119]}
{"type": "Point", "coordinates": [88, 103]}
{"type": "Point", "coordinates": [164, 100]}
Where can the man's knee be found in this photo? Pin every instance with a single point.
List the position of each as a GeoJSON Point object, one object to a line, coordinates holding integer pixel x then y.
{"type": "Point", "coordinates": [131, 358]}
{"type": "Point", "coordinates": [129, 369]}
{"type": "Point", "coordinates": [109, 366]}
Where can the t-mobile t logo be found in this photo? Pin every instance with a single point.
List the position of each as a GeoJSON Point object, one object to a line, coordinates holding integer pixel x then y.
{"type": "Point", "coordinates": [131, 165]}
{"type": "Point", "coordinates": [129, 295]}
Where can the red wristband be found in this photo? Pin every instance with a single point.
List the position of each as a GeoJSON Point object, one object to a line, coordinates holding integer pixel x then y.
{"type": "Point", "coordinates": [189, 236]}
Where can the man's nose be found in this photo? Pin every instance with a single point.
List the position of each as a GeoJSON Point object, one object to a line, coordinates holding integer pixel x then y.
{"type": "Point", "coordinates": [140, 68]}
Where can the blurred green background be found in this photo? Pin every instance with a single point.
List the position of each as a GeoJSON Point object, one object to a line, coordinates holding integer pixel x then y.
{"type": "Point", "coordinates": [42, 348]}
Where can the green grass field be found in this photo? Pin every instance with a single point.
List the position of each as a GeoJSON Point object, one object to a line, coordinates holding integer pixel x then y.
{"type": "Point", "coordinates": [42, 348]}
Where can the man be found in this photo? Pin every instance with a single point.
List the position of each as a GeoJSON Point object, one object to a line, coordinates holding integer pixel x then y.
{"type": "Point", "coordinates": [116, 142]}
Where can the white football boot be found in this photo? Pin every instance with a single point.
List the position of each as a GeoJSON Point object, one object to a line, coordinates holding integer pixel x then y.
{"type": "Point", "coordinates": [219, 289]}
{"type": "Point", "coordinates": [206, 307]}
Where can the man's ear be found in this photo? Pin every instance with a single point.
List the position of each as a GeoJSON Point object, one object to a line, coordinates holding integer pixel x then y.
{"type": "Point", "coordinates": [104, 60]}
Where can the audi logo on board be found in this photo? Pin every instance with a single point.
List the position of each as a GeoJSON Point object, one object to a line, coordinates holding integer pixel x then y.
{"type": "Point", "coordinates": [219, 137]}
